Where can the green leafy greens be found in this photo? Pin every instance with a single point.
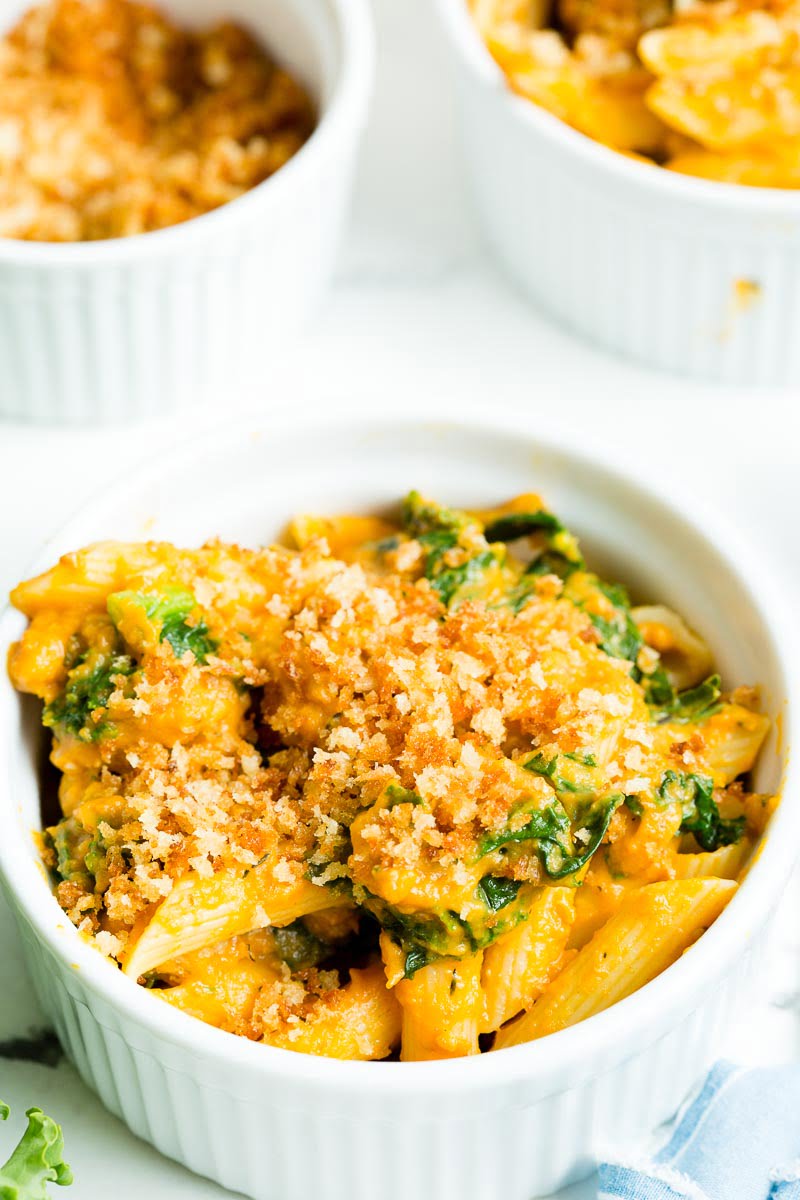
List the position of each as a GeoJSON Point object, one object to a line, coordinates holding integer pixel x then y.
{"type": "Point", "coordinates": [518, 525]}
{"type": "Point", "coordinates": [395, 794]}
{"type": "Point", "coordinates": [168, 611]}
{"type": "Point", "coordinates": [439, 530]}
{"type": "Point", "coordinates": [422, 518]}
{"type": "Point", "coordinates": [586, 760]}
{"type": "Point", "coordinates": [429, 935]}
{"type": "Point", "coordinates": [537, 764]}
{"type": "Point", "coordinates": [497, 891]}
{"type": "Point", "coordinates": [71, 843]}
{"type": "Point", "coordinates": [90, 685]}
{"type": "Point", "coordinates": [693, 704]}
{"type": "Point", "coordinates": [560, 556]}
{"type": "Point", "coordinates": [36, 1161]}
{"type": "Point", "coordinates": [447, 582]}
{"type": "Point", "coordinates": [619, 635]}
{"type": "Point", "coordinates": [494, 891]}
{"type": "Point", "coordinates": [551, 828]}
{"type": "Point", "coordinates": [701, 816]}
{"type": "Point", "coordinates": [299, 947]}
{"type": "Point", "coordinates": [416, 958]}
{"type": "Point", "coordinates": [546, 826]}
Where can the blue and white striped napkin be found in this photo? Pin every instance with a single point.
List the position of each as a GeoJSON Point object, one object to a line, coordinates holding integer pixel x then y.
{"type": "Point", "coordinates": [739, 1140]}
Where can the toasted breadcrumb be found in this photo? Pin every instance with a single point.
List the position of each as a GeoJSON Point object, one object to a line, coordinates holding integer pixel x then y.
{"type": "Point", "coordinates": [113, 121]}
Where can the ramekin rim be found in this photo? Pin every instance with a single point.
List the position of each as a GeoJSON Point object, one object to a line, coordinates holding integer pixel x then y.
{"type": "Point", "coordinates": [345, 109]}
{"type": "Point", "coordinates": [615, 165]}
{"type": "Point", "coordinates": [671, 995]}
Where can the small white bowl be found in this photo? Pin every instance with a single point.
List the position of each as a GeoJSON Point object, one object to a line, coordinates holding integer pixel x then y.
{"type": "Point", "coordinates": [129, 328]}
{"type": "Point", "coordinates": [503, 1126]}
{"type": "Point", "coordinates": [655, 265]}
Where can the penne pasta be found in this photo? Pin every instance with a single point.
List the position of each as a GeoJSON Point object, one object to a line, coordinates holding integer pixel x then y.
{"type": "Point", "coordinates": [220, 984]}
{"type": "Point", "coordinates": [733, 738]}
{"type": "Point", "coordinates": [361, 1020]}
{"type": "Point", "coordinates": [684, 656]}
{"type": "Point", "coordinates": [725, 863]}
{"type": "Point", "coordinates": [346, 536]}
{"type": "Point", "coordinates": [520, 964]}
{"type": "Point", "coordinates": [650, 930]}
{"type": "Point", "coordinates": [705, 89]}
{"type": "Point", "coordinates": [83, 580]}
{"type": "Point", "coordinates": [202, 911]}
{"type": "Point", "coordinates": [442, 1009]}
{"type": "Point", "coordinates": [599, 896]}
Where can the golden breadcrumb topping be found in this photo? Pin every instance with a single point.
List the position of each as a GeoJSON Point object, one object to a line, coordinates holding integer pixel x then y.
{"type": "Point", "coordinates": [113, 121]}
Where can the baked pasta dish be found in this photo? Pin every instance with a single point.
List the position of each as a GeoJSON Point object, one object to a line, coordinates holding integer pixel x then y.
{"type": "Point", "coordinates": [424, 786]}
{"type": "Point", "coordinates": [114, 121]}
{"type": "Point", "coordinates": [709, 88]}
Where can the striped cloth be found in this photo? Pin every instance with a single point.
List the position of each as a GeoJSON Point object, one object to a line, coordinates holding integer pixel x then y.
{"type": "Point", "coordinates": [739, 1140]}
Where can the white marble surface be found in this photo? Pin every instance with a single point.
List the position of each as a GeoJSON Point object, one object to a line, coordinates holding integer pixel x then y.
{"type": "Point", "coordinates": [418, 309]}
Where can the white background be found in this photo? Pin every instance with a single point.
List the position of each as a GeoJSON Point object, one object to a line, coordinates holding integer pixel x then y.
{"type": "Point", "coordinates": [420, 312]}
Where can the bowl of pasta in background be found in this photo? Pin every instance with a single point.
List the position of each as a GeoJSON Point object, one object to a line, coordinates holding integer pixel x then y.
{"type": "Point", "coordinates": [131, 327]}
{"type": "Point", "coordinates": [686, 274]}
{"type": "Point", "coordinates": [512, 1124]}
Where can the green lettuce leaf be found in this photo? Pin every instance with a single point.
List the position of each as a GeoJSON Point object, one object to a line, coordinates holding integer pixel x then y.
{"type": "Point", "coordinates": [37, 1160]}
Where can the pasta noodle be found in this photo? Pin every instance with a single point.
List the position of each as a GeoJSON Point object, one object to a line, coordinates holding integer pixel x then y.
{"type": "Point", "coordinates": [725, 863]}
{"type": "Point", "coordinates": [361, 1020]}
{"type": "Point", "coordinates": [442, 1009]}
{"type": "Point", "coordinates": [733, 738]}
{"type": "Point", "coordinates": [650, 931]}
{"type": "Point", "coordinates": [707, 89]}
{"type": "Point", "coordinates": [519, 965]}
{"type": "Point", "coordinates": [203, 912]}
{"type": "Point", "coordinates": [416, 787]}
{"type": "Point", "coordinates": [684, 656]}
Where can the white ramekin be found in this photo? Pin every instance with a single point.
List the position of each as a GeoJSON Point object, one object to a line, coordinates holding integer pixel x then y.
{"type": "Point", "coordinates": [646, 262]}
{"type": "Point", "coordinates": [135, 327]}
{"type": "Point", "coordinates": [504, 1126]}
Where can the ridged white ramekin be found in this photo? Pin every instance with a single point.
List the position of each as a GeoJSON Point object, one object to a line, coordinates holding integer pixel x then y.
{"type": "Point", "coordinates": [136, 327]}
{"type": "Point", "coordinates": [692, 276]}
{"type": "Point", "coordinates": [503, 1126]}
